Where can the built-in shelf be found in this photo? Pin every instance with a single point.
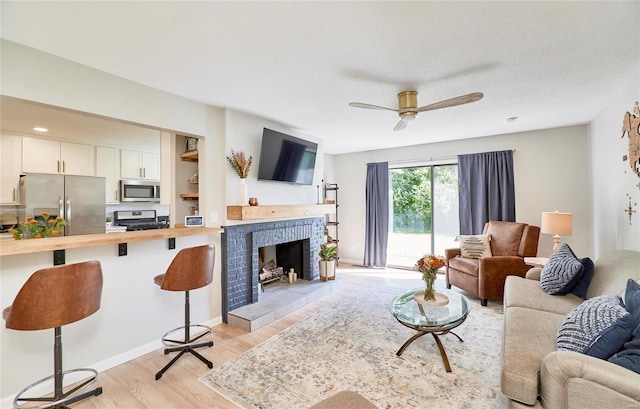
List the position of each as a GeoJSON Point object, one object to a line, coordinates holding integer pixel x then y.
{"type": "Point", "coordinates": [189, 196]}
{"type": "Point", "coordinates": [273, 211]}
{"type": "Point", "coordinates": [189, 156]}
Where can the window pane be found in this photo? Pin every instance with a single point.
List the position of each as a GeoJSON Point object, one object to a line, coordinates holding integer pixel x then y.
{"type": "Point", "coordinates": [445, 207]}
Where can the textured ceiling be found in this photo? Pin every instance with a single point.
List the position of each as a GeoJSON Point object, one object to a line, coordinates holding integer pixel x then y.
{"type": "Point", "coordinates": [550, 64]}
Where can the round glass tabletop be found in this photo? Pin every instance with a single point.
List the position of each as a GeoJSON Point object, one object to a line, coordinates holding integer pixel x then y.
{"type": "Point", "coordinates": [410, 313]}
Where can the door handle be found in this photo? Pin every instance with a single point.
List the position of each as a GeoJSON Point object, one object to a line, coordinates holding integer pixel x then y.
{"type": "Point", "coordinates": [61, 208]}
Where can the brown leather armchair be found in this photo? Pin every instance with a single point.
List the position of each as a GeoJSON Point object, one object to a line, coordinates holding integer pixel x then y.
{"type": "Point", "coordinates": [510, 243]}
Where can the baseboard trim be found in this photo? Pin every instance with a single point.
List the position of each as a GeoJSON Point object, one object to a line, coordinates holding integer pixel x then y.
{"type": "Point", "coordinates": [7, 402]}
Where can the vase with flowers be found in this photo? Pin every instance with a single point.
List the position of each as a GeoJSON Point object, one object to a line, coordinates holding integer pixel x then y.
{"type": "Point", "coordinates": [428, 266]}
{"type": "Point", "coordinates": [241, 164]}
{"type": "Point", "coordinates": [41, 227]}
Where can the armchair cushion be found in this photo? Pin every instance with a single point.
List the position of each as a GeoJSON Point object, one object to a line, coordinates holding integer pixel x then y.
{"type": "Point", "coordinates": [562, 272]}
{"type": "Point", "coordinates": [598, 327]}
{"type": "Point", "coordinates": [475, 246]}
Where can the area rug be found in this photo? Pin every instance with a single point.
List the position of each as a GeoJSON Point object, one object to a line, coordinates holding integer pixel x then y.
{"type": "Point", "coordinates": [352, 345]}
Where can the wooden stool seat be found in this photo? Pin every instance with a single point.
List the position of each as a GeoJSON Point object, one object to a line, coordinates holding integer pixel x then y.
{"type": "Point", "coordinates": [192, 268]}
{"type": "Point", "coordinates": [53, 297]}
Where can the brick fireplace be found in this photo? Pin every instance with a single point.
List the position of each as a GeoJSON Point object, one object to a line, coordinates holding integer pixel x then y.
{"type": "Point", "coordinates": [240, 245]}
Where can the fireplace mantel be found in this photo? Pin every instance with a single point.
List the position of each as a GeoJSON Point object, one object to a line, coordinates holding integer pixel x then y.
{"type": "Point", "coordinates": [275, 211]}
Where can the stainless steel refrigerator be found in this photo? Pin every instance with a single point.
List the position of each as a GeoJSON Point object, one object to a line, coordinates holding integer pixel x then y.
{"type": "Point", "coordinates": [79, 199]}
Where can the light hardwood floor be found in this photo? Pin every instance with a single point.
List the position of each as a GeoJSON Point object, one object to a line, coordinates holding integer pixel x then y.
{"type": "Point", "coordinates": [132, 385]}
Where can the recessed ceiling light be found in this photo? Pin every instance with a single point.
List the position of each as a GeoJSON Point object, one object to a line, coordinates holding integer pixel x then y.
{"type": "Point", "coordinates": [512, 119]}
{"type": "Point", "coordinates": [40, 129]}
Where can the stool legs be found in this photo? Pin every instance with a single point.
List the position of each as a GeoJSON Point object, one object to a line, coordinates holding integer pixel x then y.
{"type": "Point", "coordinates": [188, 345]}
{"type": "Point", "coordinates": [60, 399]}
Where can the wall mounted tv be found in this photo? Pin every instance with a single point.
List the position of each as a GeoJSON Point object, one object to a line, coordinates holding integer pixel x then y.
{"type": "Point", "coordinates": [285, 158]}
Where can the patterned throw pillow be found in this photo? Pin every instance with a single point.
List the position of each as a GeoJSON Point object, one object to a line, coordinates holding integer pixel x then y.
{"type": "Point", "coordinates": [562, 272]}
{"type": "Point", "coordinates": [475, 246]}
{"type": "Point", "coordinates": [598, 327]}
{"type": "Point", "coordinates": [629, 356]}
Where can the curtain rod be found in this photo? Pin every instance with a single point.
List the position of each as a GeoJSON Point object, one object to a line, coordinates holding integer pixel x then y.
{"type": "Point", "coordinates": [434, 159]}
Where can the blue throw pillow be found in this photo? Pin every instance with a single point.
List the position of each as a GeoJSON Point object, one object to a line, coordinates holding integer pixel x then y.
{"type": "Point", "coordinates": [629, 356]}
{"type": "Point", "coordinates": [598, 327]}
{"type": "Point", "coordinates": [562, 272]}
{"type": "Point", "coordinates": [587, 274]}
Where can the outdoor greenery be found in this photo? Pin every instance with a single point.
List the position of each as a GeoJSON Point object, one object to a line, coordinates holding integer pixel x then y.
{"type": "Point", "coordinates": [412, 204]}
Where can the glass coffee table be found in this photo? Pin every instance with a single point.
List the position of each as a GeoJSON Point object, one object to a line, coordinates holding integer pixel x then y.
{"type": "Point", "coordinates": [430, 320]}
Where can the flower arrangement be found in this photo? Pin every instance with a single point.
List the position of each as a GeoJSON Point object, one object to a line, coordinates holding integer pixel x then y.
{"type": "Point", "coordinates": [40, 228]}
{"type": "Point", "coordinates": [240, 163]}
{"type": "Point", "coordinates": [428, 266]}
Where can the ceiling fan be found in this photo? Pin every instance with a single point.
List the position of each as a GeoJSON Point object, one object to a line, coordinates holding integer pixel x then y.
{"type": "Point", "coordinates": [408, 105]}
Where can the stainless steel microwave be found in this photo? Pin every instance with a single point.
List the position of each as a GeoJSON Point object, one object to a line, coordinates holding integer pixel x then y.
{"type": "Point", "coordinates": [139, 191]}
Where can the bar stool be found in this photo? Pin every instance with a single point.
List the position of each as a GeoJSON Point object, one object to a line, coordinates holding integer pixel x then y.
{"type": "Point", "coordinates": [191, 268]}
{"type": "Point", "coordinates": [53, 297]}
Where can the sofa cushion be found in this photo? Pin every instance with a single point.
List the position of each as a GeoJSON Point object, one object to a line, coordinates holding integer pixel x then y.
{"type": "Point", "coordinates": [629, 356]}
{"type": "Point", "coordinates": [587, 274]}
{"type": "Point", "coordinates": [597, 327]}
{"type": "Point", "coordinates": [522, 292]}
{"type": "Point", "coordinates": [475, 246]}
{"type": "Point", "coordinates": [612, 270]}
{"type": "Point", "coordinates": [529, 335]}
{"type": "Point", "coordinates": [562, 272]}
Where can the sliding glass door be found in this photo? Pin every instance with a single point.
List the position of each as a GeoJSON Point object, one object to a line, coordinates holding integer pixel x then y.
{"type": "Point", "coordinates": [424, 212]}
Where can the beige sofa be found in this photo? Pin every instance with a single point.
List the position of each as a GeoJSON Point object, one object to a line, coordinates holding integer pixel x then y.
{"type": "Point", "coordinates": [534, 373]}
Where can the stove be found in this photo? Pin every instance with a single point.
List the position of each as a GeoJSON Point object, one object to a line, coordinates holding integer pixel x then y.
{"type": "Point", "coordinates": [139, 220]}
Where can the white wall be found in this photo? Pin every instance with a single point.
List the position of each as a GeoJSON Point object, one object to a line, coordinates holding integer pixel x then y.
{"type": "Point", "coordinates": [243, 132]}
{"type": "Point", "coordinates": [551, 172]}
{"type": "Point", "coordinates": [613, 178]}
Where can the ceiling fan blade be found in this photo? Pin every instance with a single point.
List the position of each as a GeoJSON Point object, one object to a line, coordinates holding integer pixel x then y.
{"type": "Point", "coordinates": [369, 106]}
{"type": "Point", "coordinates": [463, 99]}
{"type": "Point", "coordinates": [400, 125]}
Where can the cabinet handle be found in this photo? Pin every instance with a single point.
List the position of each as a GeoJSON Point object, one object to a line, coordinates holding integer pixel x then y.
{"type": "Point", "coordinates": [58, 166]}
{"type": "Point", "coordinates": [140, 172]}
{"type": "Point", "coordinates": [115, 194]}
{"type": "Point", "coordinates": [14, 194]}
{"type": "Point", "coordinates": [64, 167]}
{"type": "Point", "coordinates": [144, 172]}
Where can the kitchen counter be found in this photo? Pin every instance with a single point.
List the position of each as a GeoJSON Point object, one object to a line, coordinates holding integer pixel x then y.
{"type": "Point", "coordinates": [91, 240]}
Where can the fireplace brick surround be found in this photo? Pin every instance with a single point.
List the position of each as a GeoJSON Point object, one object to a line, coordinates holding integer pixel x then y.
{"type": "Point", "coordinates": [240, 244]}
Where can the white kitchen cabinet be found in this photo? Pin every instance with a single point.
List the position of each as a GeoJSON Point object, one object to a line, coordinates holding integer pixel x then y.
{"type": "Point", "coordinates": [10, 159]}
{"type": "Point", "coordinates": [139, 165]}
{"type": "Point", "coordinates": [49, 156]}
{"type": "Point", "coordinates": [108, 166]}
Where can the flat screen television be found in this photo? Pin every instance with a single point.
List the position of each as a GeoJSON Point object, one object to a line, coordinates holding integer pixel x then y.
{"type": "Point", "coordinates": [285, 158]}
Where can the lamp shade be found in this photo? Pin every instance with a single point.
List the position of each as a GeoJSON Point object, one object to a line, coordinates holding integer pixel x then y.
{"type": "Point", "coordinates": [556, 223]}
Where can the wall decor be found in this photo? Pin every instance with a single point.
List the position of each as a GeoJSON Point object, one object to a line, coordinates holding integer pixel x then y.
{"type": "Point", "coordinates": [631, 127]}
{"type": "Point", "coordinates": [629, 210]}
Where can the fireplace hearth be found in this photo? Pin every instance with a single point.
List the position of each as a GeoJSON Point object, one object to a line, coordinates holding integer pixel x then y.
{"type": "Point", "coordinates": [240, 256]}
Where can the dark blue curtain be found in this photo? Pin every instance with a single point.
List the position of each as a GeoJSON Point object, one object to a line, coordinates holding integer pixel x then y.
{"type": "Point", "coordinates": [377, 215]}
{"type": "Point", "coordinates": [486, 190]}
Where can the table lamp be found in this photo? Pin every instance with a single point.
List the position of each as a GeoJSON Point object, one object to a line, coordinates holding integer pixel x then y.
{"type": "Point", "coordinates": [558, 224]}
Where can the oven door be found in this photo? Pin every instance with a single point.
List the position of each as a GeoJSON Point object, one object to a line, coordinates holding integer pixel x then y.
{"type": "Point", "coordinates": [139, 191]}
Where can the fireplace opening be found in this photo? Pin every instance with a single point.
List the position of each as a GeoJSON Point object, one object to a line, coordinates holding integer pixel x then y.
{"type": "Point", "coordinates": [276, 261]}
